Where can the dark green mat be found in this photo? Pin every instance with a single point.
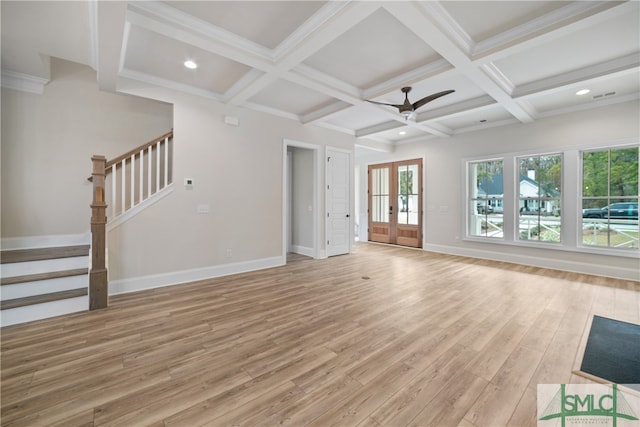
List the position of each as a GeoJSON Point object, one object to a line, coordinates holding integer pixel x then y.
{"type": "Point", "coordinates": [613, 352]}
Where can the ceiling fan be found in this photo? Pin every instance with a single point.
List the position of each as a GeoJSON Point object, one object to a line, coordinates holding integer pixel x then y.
{"type": "Point", "coordinates": [408, 108]}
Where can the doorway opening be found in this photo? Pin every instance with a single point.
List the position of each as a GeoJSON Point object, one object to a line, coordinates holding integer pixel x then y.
{"type": "Point", "coordinates": [300, 200]}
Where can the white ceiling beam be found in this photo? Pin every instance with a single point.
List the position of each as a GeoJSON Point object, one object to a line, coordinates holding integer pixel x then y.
{"type": "Point", "coordinates": [440, 68]}
{"type": "Point", "coordinates": [415, 15]}
{"type": "Point", "coordinates": [341, 22]}
{"type": "Point", "coordinates": [603, 70]}
{"type": "Point", "coordinates": [325, 112]}
{"type": "Point", "coordinates": [379, 128]}
{"type": "Point", "coordinates": [457, 109]}
{"type": "Point", "coordinates": [383, 147]}
{"type": "Point", "coordinates": [576, 16]}
{"type": "Point", "coordinates": [223, 47]}
{"type": "Point", "coordinates": [110, 27]}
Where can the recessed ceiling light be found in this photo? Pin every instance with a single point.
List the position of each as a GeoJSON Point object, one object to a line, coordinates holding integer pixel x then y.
{"type": "Point", "coordinates": [190, 64]}
{"type": "Point", "coordinates": [402, 132]}
{"type": "Point", "coordinates": [582, 92]}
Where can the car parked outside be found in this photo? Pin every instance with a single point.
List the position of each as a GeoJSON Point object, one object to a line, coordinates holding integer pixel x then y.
{"type": "Point", "coordinates": [614, 210]}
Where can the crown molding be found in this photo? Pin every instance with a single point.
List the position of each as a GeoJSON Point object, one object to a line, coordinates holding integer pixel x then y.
{"type": "Point", "coordinates": [169, 84]}
{"type": "Point", "coordinates": [23, 82]}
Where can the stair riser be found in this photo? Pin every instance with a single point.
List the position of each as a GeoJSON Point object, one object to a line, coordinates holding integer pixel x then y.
{"type": "Point", "coordinates": [43, 311]}
{"type": "Point", "coordinates": [43, 266]}
{"type": "Point", "coordinates": [39, 287]}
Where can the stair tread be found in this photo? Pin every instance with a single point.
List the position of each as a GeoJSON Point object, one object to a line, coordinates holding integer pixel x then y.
{"type": "Point", "coordinates": [43, 276]}
{"type": "Point", "coordinates": [40, 299]}
{"type": "Point", "coordinates": [39, 254]}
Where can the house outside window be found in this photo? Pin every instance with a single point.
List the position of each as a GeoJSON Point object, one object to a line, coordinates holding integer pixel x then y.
{"type": "Point", "coordinates": [610, 198]}
{"type": "Point", "coordinates": [540, 190]}
{"type": "Point", "coordinates": [486, 195]}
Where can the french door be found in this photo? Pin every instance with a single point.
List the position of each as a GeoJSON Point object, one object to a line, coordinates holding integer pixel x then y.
{"type": "Point", "coordinates": [395, 203]}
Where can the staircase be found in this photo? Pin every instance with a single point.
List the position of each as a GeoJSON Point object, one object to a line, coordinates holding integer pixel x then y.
{"type": "Point", "coordinates": [43, 282]}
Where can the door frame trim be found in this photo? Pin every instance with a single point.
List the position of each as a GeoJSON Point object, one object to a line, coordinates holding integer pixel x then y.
{"type": "Point", "coordinates": [426, 208]}
{"type": "Point", "coordinates": [316, 194]}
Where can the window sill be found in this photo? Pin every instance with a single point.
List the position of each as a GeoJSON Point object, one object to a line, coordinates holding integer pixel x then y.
{"type": "Point", "coordinates": [630, 253]}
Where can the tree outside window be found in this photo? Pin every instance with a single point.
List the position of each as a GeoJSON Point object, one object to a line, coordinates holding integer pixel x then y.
{"type": "Point", "coordinates": [486, 199]}
{"type": "Point", "coordinates": [610, 198]}
{"type": "Point", "coordinates": [540, 191]}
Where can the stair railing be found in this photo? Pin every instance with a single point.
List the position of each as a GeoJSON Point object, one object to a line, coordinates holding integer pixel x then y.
{"type": "Point", "coordinates": [135, 176]}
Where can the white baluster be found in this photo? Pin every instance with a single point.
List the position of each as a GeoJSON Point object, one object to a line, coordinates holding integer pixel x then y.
{"type": "Point", "coordinates": [157, 166]}
{"type": "Point", "coordinates": [141, 198]}
{"type": "Point", "coordinates": [166, 161]}
{"type": "Point", "coordinates": [149, 168]}
{"type": "Point", "coordinates": [123, 187]}
{"type": "Point", "coordinates": [133, 182]}
{"type": "Point", "coordinates": [113, 189]}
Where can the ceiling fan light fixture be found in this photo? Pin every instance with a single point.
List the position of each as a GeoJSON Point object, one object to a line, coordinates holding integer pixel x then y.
{"type": "Point", "coordinates": [407, 108]}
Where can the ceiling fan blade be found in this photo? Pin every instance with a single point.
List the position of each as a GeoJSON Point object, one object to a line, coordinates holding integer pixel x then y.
{"type": "Point", "coordinates": [384, 103]}
{"type": "Point", "coordinates": [430, 98]}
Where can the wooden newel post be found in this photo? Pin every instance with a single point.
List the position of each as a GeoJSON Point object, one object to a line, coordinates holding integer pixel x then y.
{"type": "Point", "coordinates": [98, 282]}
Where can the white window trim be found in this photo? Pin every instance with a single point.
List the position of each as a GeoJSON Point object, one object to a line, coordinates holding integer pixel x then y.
{"type": "Point", "coordinates": [571, 231]}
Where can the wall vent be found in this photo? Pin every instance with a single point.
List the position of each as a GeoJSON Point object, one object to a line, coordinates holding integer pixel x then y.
{"type": "Point", "coordinates": [604, 95]}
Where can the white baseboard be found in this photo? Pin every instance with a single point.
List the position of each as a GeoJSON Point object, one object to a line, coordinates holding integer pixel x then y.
{"type": "Point", "coordinates": [135, 284]}
{"type": "Point", "coordinates": [32, 242]}
{"type": "Point", "coordinates": [554, 264]}
{"type": "Point", "coordinates": [302, 250]}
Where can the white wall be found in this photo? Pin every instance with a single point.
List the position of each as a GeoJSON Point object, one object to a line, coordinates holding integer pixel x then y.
{"type": "Point", "coordinates": [237, 171]}
{"type": "Point", "coordinates": [48, 141]}
{"type": "Point", "coordinates": [445, 186]}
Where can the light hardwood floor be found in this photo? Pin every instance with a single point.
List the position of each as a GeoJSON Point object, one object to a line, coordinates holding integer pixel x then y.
{"type": "Point", "coordinates": [383, 337]}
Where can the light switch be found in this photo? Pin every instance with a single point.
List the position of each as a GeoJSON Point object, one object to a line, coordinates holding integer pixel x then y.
{"type": "Point", "coordinates": [203, 208]}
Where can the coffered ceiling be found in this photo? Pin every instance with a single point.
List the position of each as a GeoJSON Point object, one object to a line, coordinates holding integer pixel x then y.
{"type": "Point", "coordinates": [318, 62]}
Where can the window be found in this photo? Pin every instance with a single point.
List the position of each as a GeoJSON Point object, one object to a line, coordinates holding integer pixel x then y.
{"type": "Point", "coordinates": [610, 198]}
{"type": "Point", "coordinates": [539, 189]}
{"type": "Point", "coordinates": [486, 198]}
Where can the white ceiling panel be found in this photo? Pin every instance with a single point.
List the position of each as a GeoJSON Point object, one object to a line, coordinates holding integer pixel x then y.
{"type": "Point", "coordinates": [267, 23]}
{"type": "Point", "coordinates": [157, 55]}
{"type": "Point", "coordinates": [481, 117]}
{"type": "Point", "coordinates": [318, 61]}
{"type": "Point", "coordinates": [484, 19]}
{"type": "Point", "coordinates": [600, 90]}
{"type": "Point", "coordinates": [373, 51]}
{"type": "Point", "coordinates": [613, 39]}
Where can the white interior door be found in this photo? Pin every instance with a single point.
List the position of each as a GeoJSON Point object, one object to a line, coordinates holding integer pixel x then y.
{"type": "Point", "coordinates": [338, 202]}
